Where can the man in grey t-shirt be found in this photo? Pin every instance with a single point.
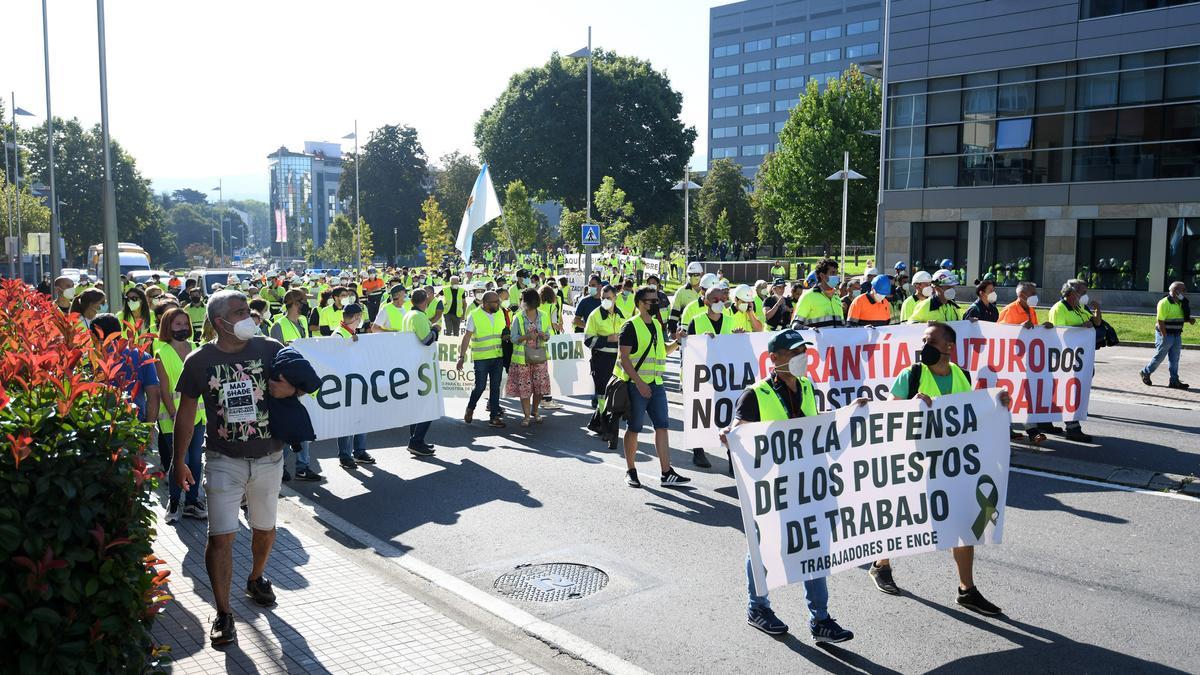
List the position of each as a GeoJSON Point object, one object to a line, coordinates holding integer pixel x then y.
{"type": "Point", "coordinates": [242, 459]}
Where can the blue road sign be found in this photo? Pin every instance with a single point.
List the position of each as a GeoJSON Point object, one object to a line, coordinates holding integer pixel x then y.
{"type": "Point", "coordinates": [591, 234]}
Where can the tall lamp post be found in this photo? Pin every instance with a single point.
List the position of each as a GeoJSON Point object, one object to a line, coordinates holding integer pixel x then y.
{"type": "Point", "coordinates": [221, 211]}
{"type": "Point", "coordinates": [357, 205]}
{"type": "Point", "coordinates": [587, 51]}
{"type": "Point", "coordinates": [112, 257]}
{"type": "Point", "coordinates": [55, 254]}
{"type": "Point", "coordinates": [16, 270]}
{"type": "Point", "coordinates": [845, 175]}
{"type": "Point", "coordinates": [686, 185]}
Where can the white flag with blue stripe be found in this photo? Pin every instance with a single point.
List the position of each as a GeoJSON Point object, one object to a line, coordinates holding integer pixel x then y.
{"type": "Point", "coordinates": [482, 207]}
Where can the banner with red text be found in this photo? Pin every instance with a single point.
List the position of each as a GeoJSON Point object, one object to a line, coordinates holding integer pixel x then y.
{"type": "Point", "coordinates": [1048, 371]}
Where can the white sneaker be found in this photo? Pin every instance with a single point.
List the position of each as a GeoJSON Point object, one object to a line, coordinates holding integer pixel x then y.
{"type": "Point", "coordinates": [172, 513]}
{"type": "Point", "coordinates": [196, 511]}
{"type": "Point", "coordinates": [551, 405]}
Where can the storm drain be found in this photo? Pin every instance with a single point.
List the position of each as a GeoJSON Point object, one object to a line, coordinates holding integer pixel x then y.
{"type": "Point", "coordinates": [551, 582]}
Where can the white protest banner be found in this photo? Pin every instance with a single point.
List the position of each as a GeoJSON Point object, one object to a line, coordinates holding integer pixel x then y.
{"type": "Point", "coordinates": [456, 383]}
{"type": "Point", "coordinates": [885, 480]}
{"type": "Point", "coordinates": [652, 265]}
{"type": "Point", "coordinates": [572, 261]}
{"type": "Point", "coordinates": [1048, 371]}
{"type": "Point", "coordinates": [381, 381]}
{"type": "Point", "coordinates": [568, 366]}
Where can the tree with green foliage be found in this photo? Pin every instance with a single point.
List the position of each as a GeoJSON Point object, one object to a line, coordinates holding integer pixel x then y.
{"type": "Point", "coordinates": [339, 243]}
{"type": "Point", "coordinates": [536, 131]}
{"type": "Point", "coordinates": [721, 228]}
{"type": "Point", "coordinates": [825, 123]}
{"type": "Point", "coordinates": [724, 191]}
{"type": "Point", "coordinates": [519, 224]}
{"type": "Point", "coordinates": [453, 178]}
{"type": "Point", "coordinates": [435, 234]}
{"type": "Point", "coordinates": [570, 228]}
{"type": "Point", "coordinates": [189, 196]}
{"type": "Point", "coordinates": [766, 219]}
{"type": "Point", "coordinates": [35, 215]}
{"type": "Point", "coordinates": [612, 210]}
{"type": "Point", "coordinates": [392, 184]}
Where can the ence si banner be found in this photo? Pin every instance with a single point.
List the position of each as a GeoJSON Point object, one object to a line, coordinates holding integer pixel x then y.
{"type": "Point", "coordinates": [382, 381]}
{"type": "Point", "coordinates": [1048, 371]}
{"type": "Point", "coordinates": [570, 372]}
{"type": "Point", "coordinates": [885, 480]}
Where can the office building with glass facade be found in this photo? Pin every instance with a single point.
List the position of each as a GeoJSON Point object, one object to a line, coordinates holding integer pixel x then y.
{"type": "Point", "coordinates": [1046, 141]}
{"type": "Point", "coordinates": [305, 185]}
{"type": "Point", "coordinates": [762, 54]}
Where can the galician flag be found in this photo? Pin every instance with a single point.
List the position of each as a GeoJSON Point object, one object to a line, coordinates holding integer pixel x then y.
{"type": "Point", "coordinates": [482, 207]}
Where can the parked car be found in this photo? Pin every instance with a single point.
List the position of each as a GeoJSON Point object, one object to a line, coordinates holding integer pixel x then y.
{"type": "Point", "coordinates": [207, 278]}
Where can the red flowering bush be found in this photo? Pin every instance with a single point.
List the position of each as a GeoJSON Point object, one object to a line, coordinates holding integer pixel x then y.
{"type": "Point", "coordinates": [79, 586]}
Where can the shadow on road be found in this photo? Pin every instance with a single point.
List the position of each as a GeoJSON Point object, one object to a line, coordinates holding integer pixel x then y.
{"type": "Point", "coordinates": [1039, 500]}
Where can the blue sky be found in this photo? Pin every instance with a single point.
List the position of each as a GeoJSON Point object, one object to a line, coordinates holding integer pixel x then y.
{"type": "Point", "coordinates": [204, 91]}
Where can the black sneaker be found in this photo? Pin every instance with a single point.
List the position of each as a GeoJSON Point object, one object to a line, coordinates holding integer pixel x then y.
{"type": "Point", "coordinates": [1048, 428]}
{"type": "Point", "coordinates": [973, 600]}
{"type": "Point", "coordinates": [829, 631]}
{"type": "Point", "coordinates": [348, 463]}
{"type": "Point", "coordinates": [631, 478]}
{"type": "Point", "coordinates": [223, 630]}
{"type": "Point", "coordinates": [259, 590]}
{"type": "Point", "coordinates": [1146, 380]}
{"type": "Point", "coordinates": [363, 458]}
{"type": "Point", "coordinates": [1176, 384]}
{"type": "Point", "coordinates": [287, 477]}
{"type": "Point", "coordinates": [882, 576]}
{"type": "Point", "coordinates": [699, 458]}
{"type": "Point", "coordinates": [672, 479]}
{"type": "Point", "coordinates": [308, 474]}
{"type": "Point", "coordinates": [765, 620]}
{"type": "Point", "coordinates": [1077, 435]}
{"type": "Point", "coordinates": [421, 450]}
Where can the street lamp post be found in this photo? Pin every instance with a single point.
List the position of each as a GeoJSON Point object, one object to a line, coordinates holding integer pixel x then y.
{"type": "Point", "coordinates": [395, 244]}
{"type": "Point", "coordinates": [221, 211]}
{"type": "Point", "coordinates": [55, 256]}
{"type": "Point", "coordinates": [357, 205]}
{"type": "Point", "coordinates": [112, 257]}
{"type": "Point", "coordinates": [686, 185]}
{"type": "Point", "coordinates": [20, 267]}
{"type": "Point", "coordinates": [587, 51]}
{"type": "Point", "coordinates": [845, 175]}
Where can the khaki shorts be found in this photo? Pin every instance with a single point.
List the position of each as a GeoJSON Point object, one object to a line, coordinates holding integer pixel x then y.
{"type": "Point", "coordinates": [228, 479]}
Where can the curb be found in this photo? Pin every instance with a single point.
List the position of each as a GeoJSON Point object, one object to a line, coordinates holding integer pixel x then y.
{"type": "Point", "coordinates": [1151, 345]}
{"type": "Point", "coordinates": [1143, 479]}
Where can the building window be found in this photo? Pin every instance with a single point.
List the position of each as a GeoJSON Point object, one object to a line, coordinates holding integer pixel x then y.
{"type": "Point", "coordinates": [1011, 251]}
{"type": "Point", "coordinates": [724, 132]}
{"type": "Point", "coordinates": [784, 105]}
{"type": "Point", "coordinates": [723, 153]}
{"type": "Point", "coordinates": [752, 129]}
{"type": "Point", "coordinates": [789, 40]}
{"type": "Point", "coordinates": [1113, 254]}
{"type": "Point", "coordinates": [725, 92]}
{"type": "Point", "coordinates": [862, 27]}
{"type": "Point", "coordinates": [825, 78]}
{"type": "Point", "coordinates": [1183, 253]}
{"type": "Point", "coordinates": [785, 83]}
{"type": "Point", "coordinates": [757, 66]}
{"type": "Point", "coordinates": [756, 108]}
{"type": "Point", "coordinates": [758, 45]}
{"type": "Point", "coordinates": [789, 61]}
{"type": "Point", "coordinates": [857, 51]}
{"type": "Point", "coordinates": [727, 50]}
{"type": "Point", "coordinates": [756, 87]}
{"type": "Point", "coordinates": [756, 150]}
{"type": "Point", "coordinates": [725, 71]}
{"type": "Point", "coordinates": [1092, 9]}
{"type": "Point", "coordinates": [727, 111]}
{"type": "Point", "coordinates": [778, 127]}
{"type": "Point", "coordinates": [824, 56]}
{"type": "Point", "coordinates": [825, 34]}
{"type": "Point", "coordinates": [932, 243]}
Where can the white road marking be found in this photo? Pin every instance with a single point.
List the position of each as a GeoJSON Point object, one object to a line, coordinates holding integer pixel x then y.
{"type": "Point", "coordinates": [1084, 481]}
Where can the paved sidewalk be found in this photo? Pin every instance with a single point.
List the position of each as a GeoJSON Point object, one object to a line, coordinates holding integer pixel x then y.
{"type": "Point", "coordinates": [332, 616]}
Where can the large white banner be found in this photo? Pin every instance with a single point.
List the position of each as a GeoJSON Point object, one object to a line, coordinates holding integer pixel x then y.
{"type": "Point", "coordinates": [1048, 371]}
{"type": "Point", "coordinates": [381, 381]}
{"type": "Point", "coordinates": [568, 367]}
{"type": "Point", "coordinates": [889, 479]}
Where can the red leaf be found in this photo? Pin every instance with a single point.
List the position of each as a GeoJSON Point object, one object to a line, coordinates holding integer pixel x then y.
{"type": "Point", "coordinates": [20, 445]}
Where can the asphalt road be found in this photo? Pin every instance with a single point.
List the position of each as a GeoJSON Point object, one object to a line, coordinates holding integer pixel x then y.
{"type": "Point", "coordinates": [1092, 578]}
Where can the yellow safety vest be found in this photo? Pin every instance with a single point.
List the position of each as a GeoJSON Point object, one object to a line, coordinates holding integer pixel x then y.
{"type": "Point", "coordinates": [704, 324]}
{"type": "Point", "coordinates": [395, 316]}
{"type": "Point", "coordinates": [519, 321]}
{"type": "Point", "coordinates": [958, 382]}
{"type": "Point", "coordinates": [598, 326]}
{"type": "Point", "coordinates": [486, 338]}
{"type": "Point", "coordinates": [289, 330]}
{"type": "Point", "coordinates": [173, 365]}
{"type": "Point", "coordinates": [416, 323]}
{"type": "Point", "coordinates": [655, 363]}
{"type": "Point", "coordinates": [771, 408]}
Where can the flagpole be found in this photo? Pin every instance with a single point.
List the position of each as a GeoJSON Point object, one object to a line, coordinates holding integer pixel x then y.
{"type": "Point", "coordinates": [55, 257]}
{"type": "Point", "coordinates": [587, 260]}
{"type": "Point", "coordinates": [357, 204]}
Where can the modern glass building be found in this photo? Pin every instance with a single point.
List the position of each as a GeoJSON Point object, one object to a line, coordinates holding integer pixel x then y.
{"type": "Point", "coordinates": [1046, 141]}
{"type": "Point", "coordinates": [762, 53]}
{"type": "Point", "coordinates": [305, 185]}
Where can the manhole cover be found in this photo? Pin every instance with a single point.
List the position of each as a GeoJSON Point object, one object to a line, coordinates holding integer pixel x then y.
{"type": "Point", "coordinates": [551, 582]}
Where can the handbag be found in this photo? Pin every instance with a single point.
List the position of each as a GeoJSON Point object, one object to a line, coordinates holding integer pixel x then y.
{"type": "Point", "coordinates": [533, 355]}
{"type": "Point", "coordinates": [616, 392]}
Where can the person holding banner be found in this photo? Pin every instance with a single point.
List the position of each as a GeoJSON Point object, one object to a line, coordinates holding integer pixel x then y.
{"type": "Point", "coordinates": [642, 360]}
{"type": "Point", "coordinates": [390, 317]}
{"type": "Point", "coordinates": [352, 316]}
{"type": "Point", "coordinates": [601, 335]}
{"type": "Point", "coordinates": [1073, 311]}
{"type": "Point", "coordinates": [417, 323]}
{"type": "Point", "coordinates": [785, 394]}
{"type": "Point", "coordinates": [937, 375]}
{"type": "Point", "coordinates": [820, 306]}
{"type": "Point", "coordinates": [484, 332]}
{"type": "Point", "coordinates": [939, 305]}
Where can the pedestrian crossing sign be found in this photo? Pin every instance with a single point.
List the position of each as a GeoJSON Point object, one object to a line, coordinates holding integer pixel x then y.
{"type": "Point", "coordinates": [591, 234]}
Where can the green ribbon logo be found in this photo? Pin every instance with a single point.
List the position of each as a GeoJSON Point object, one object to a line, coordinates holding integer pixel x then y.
{"type": "Point", "coordinates": [988, 511]}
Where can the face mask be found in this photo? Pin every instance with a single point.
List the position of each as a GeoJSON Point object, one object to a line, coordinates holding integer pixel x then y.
{"type": "Point", "coordinates": [133, 305]}
{"type": "Point", "coordinates": [907, 288]}
{"type": "Point", "coordinates": [762, 293]}
{"type": "Point", "coordinates": [181, 335]}
{"type": "Point", "coordinates": [346, 301]}
{"type": "Point", "coordinates": [717, 307]}
{"type": "Point", "coordinates": [743, 306]}
{"type": "Point", "coordinates": [68, 293]}
{"type": "Point", "coordinates": [653, 308]}
{"type": "Point", "coordinates": [103, 309]}
{"type": "Point", "coordinates": [879, 297]}
{"type": "Point", "coordinates": [625, 293]}
{"type": "Point", "coordinates": [930, 354]}
{"type": "Point", "coordinates": [833, 280]}
{"type": "Point", "coordinates": [1032, 301]}
{"type": "Point", "coordinates": [991, 297]}
{"type": "Point", "coordinates": [654, 287]}
{"type": "Point", "coordinates": [244, 329]}
{"type": "Point", "coordinates": [950, 293]}
{"type": "Point", "coordinates": [927, 292]}
{"type": "Point", "coordinates": [798, 365]}
{"type": "Point", "coordinates": [454, 286]}
{"type": "Point", "coordinates": [1083, 300]}
{"type": "Point", "coordinates": [592, 291]}
{"type": "Point", "coordinates": [606, 304]}
{"type": "Point", "coordinates": [1179, 297]}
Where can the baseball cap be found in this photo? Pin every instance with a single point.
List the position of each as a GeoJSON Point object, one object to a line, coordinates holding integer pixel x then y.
{"type": "Point", "coordinates": [779, 282]}
{"type": "Point", "coordinates": [352, 309]}
{"type": "Point", "coordinates": [788, 339]}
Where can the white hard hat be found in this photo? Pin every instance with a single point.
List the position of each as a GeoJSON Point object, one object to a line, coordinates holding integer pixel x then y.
{"type": "Point", "coordinates": [479, 286]}
{"type": "Point", "coordinates": [945, 278]}
{"type": "Point", "coordinates": [708, 280]}
{"type": "Point", "coordinates": [744, 293]}
{"type": "Point", "coordinates": [922, 277]}
{"type": "Point", "coordinates": [723, 283]}
{"type": "Point", "coordinates": [871, 272]}
{"type": "Point", "coordinates": [695, 268]}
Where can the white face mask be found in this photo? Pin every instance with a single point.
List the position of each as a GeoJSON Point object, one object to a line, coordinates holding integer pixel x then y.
{"type": "Point", "coordinates": [1032, 301]}
{"type": "Point", "coordinates": [907, 288]}
{"type": "Point", "coordinates": [927, 292]}
{"type": "Point", "coordinates": [606, 304]}
{"type": "Point", "coordinates": [133, 305]}
{"type": "Point", "coordinates": [653, 287]}
{"type": "Point", "coordinates": [245, 329]}
{"type": "Point", "coordinates": [798, 365]}
{"type": "Point", "coordinates": [1083, 300]}
{"type": "Point", "coordinates": [991, 297]}
{"type": "Point", "coordinates": [68, 293]}
{"type": "Point", "coordinates": [346, 301]}
{"type": "Point", "coordinates": [950, 293]}
{"type": "Point", "coordinates": [717, 307]}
